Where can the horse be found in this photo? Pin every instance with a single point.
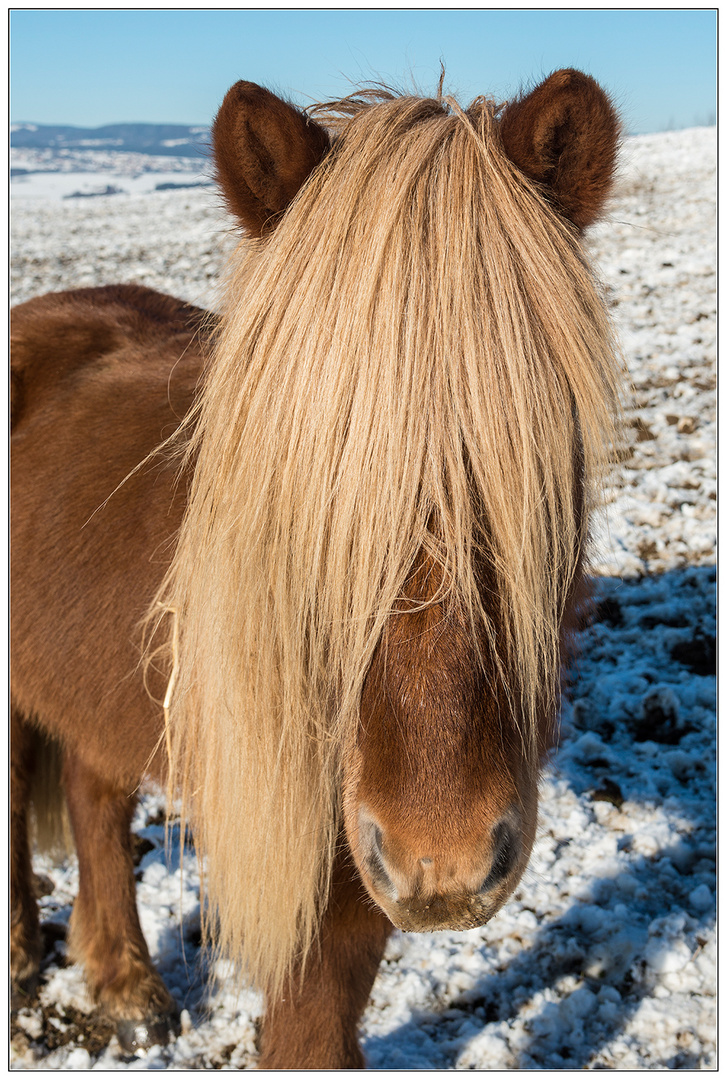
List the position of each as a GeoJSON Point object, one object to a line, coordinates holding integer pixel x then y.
{"type": "Point", "coordinates": [314, 563]}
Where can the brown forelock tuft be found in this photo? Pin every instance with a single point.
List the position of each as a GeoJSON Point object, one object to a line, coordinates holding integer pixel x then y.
{"type": "Point", "coordinates": [264, 150]}
{"type": "Point", "coordinates": [565, 135]}
{"type": "Point", "coordinates": [420, 339]}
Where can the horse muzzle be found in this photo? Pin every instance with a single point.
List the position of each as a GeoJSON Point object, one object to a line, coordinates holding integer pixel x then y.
{"type": "Point", "coordinates": [430, 886]}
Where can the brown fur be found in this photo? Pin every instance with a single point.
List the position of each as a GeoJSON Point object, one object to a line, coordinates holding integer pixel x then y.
{"type": "Point", "coordinates": [391, 731]}
{"type": "Point", "coordinates": [105, 935]}
{"type": "Point", "coordinates": [101, 376]}
{"type": "Point", "coordinates": [424, 677]}
{"type": "Point", "coordinates": [25, 940]}
{"type": "Point", "coordinates": [264, 150]}
{"type": "Point", "coordinates": [52, 825]}
{"type": "Point", "coordinates": [564, 135]}
{"type": "Point", "coordinates": [313, 1023]}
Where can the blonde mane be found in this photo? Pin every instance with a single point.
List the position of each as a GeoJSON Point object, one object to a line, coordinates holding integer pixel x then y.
{"type": "Point", "coordinates": [416, 358]}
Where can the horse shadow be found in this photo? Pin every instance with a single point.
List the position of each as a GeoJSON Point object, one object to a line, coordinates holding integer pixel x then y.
{"type": "Point", "coordinates": [570, 1031]}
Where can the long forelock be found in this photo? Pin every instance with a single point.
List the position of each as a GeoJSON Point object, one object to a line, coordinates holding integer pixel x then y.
{"type": "Point", "coordinates": [416, 359]}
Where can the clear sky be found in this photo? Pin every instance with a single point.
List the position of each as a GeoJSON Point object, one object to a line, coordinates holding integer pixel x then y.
{"type": "Point", "coordinates": [92, 67]}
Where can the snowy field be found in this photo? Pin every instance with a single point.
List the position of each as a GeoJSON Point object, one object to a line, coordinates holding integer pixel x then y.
{"type": "Point", "coordinates": [605, 956]}
{"type": "Point", "coordinates": [40, 175]}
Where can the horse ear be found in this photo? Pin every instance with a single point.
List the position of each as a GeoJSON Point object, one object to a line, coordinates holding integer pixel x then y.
{"type": "Point", "coordinates": [565, 135]}
{"type": "Point", "coordinates": [264, 150]}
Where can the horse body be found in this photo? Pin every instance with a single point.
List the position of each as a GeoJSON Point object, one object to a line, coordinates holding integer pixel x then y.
{"type": "Point", "coordinates": [367, 571]}
{"type": "Point", "coordinates": [102, 375]}
{"type": "Point", "coordinates": [109, 373]}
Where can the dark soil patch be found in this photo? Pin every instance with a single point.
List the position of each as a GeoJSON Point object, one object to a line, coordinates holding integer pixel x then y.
{"type": "Point", "coordinates": [140, 847]}
{"type": "Point", "coordinates": [608, 611]}
{"type": "Point", "coordinates": [698, 655]}
{"type": "Point", "coordinates": [677, 620]}
{"type": "Point", "coordinates": [62, 1026]}
{"type": "Point", "coordinates": [608, 791]}
{"type": "Point", "coordinates": [659, 722]}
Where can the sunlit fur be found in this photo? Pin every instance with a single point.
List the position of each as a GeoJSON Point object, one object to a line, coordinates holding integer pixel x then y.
{"type": "Point", "coordinates": [417, 358]}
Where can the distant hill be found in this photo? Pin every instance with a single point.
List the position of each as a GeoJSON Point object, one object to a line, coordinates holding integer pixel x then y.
{"type": "Point", "coordinates": [162, 140]}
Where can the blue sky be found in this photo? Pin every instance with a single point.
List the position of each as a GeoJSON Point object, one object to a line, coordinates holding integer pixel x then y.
{"type": "Point", "coordinates": [90, 67]}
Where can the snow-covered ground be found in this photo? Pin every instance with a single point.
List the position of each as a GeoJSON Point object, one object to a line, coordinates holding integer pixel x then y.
{"type": "Point", "coordinates": [52, 173]}
{"type": "Point", "coordinates": [605, 957]}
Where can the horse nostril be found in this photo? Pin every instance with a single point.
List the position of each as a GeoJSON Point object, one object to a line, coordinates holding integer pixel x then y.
{"type": "Point", "coordinates": [506, 853]}
{"type": "Point", "coordinates": [370, 837]}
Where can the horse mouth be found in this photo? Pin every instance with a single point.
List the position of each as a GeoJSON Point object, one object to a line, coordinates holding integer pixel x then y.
{"type": "Point", "coordinates": [441, 912]}
{"type": "Point", "coordinates": [418, 925]}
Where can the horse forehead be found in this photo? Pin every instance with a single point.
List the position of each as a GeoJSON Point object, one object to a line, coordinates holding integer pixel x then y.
{"type": "Point", "coordinates": [427, 628]}
{"type": "Point", "coordinates": [429, 662]}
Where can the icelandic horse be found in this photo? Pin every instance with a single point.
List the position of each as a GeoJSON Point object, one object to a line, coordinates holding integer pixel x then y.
{"type": "Point", "coordinates": [313, 563]}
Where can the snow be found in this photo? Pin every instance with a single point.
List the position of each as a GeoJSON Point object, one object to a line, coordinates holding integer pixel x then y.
{"type": "Point", "coordinates": [605, 957]}
{"type": "Point", "coordinates": [41, 186]}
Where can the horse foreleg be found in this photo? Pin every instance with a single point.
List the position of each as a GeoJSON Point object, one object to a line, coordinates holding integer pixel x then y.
{"type": "Point", "coordinates": [105, 935]}
{"type": "Point", "coordinates": [313, 1023]}
{"type": "Point", "coordinates": [25, 938]}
